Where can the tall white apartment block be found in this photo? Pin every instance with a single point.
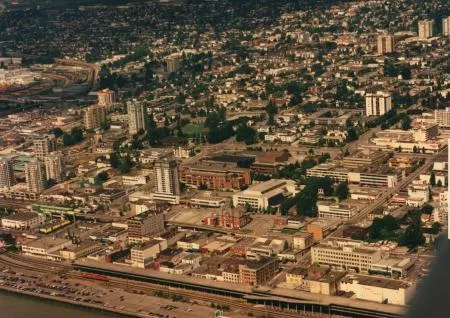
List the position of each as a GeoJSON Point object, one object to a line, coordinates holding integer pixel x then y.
{"type": "Point", "coordinates": [94, 116]}
{"type": "Point", "coordinates": [35, 176]}
{"type": "Point", "coordinates": [54, 166]}
{"type": "Point", "coordinates": [44, 145]}
{"type": "Point", "coordinates": [137, 116]}
{"type": "Point", "coordinates": [442, 117]}
{"type": "Point", "coordinates": [106, 97]}
{"type": "Point", "coordinates": [7, 179]}
{"type": "Point", "coordinates": [425, 29]}
{"type": "Point", "coordinates": [385, 44]}
{"type": "Point", "coordinates": [446, 26]}
{"type": "Point", "coordinates": [378, 103]}
{"type": "Point", "coordinates": [167, 181]}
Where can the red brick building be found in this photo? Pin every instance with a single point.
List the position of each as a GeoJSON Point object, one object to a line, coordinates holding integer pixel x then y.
{"type": "Point", "coordinates": [233, 218]}
{"type": "Point", "coordinates": [269, 162]}
{"type": "Point", "coordinates": [215, 175]}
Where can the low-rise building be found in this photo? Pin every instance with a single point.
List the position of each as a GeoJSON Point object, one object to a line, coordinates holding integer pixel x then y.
{"type": "Point", "coordinates": [215, 175]}
{"type": "Point", "coordinates": [265, 194]}
{"type": "Point", "coordinates": [142, 254]}
{"type": "Point", "coordinates": [302, 240]}
{"type": "Point", "coordinates": [23, 220]}
{"type": "Point", "coordinates": [46, 247]}
{"type": "Point", "coordinates": [336, 210]}
{"type": "Point", "coordinates": [258, 272]}
{"type": "Point", "coordinates": [75, 251]}
{"type": "Point", "coordinates": [378, 289]}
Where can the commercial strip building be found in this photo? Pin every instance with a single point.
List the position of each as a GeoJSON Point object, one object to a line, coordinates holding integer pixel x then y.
{"type": "Point", "coordinates": [265, 194]}
{"type": "Point", "coordinates": [215, 175]}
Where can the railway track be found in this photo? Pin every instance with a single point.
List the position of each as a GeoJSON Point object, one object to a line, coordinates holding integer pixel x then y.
{"type": "Point", "coordinates": [241, 304]}
{"type": "Point", "coordinates": [28, 263]}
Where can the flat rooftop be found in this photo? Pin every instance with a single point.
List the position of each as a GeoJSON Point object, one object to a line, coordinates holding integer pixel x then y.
{"type": "Point", "coordinates": [376, 281]}
{"type": "Point", "coordinates": [21, 216]}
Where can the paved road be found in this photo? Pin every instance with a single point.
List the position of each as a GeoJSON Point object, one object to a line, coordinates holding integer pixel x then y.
{"type": "Point", "coordinates": [388, 193]}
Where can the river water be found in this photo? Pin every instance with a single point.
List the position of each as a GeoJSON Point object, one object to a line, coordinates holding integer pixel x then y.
{"type": "Point", "coordinates": [22, 306]}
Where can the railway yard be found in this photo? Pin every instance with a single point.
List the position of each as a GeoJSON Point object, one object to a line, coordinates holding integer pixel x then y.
{"type": "Point", "coordinates": [117, 292]}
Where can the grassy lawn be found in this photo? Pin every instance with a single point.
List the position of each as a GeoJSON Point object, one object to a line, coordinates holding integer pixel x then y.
{"type": "Point", "coordinates": [193, 129]}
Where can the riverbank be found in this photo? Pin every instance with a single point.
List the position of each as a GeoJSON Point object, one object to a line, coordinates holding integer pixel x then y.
{"type": "Point", "coordinates": [93, 307]}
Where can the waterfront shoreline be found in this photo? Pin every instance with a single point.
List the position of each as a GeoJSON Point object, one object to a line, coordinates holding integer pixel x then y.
{"type": "Point", "coordinates": [73, 303]}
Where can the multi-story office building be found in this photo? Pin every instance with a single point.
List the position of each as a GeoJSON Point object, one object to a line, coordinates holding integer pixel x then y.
{"type": "Point", "coordinates": [54, 166]}
{"type": "Point", "coordinates": [264, 194]}
{"type": "Point", "coordinates": [35, 176]}
{"type": "Point", "coordinates": [357, 255]}
{"type": "Point", "coordinates": [442, 117]}
{"type": "Point", "coordinates": [336, 210]}
{"type": "Point", "coordinates": [302, 240]}
{"type": "Point", "coordinates": [363, 159]}
{"type": "Point", "coordinates": [215, 175]}
{"type": "Point", "coordinates": [258, 272]}
{"type": "Point", "coordinates": [347, 254]}
{"type": "Point", "coordinates": [7, 178]}
{"type": "Point", "coordinates": [106, 97]}
{"type": "Point", "coordinates": [167, 181]}
{"type": "Point", "coordinates": [94, 116]}
{"type": "Point", "coordinates": [137, 117]}
{"type": "Point", "coordinates": [385, 44]}
{"type": "Point", "coordinates": [361, 177]}
{"type": "Point", "coordinates": [378, 103]}
{"type": "Point", "coordinates": [44, 145]}
{"type": "Point", "coordinates": [426, 29]}
{"type": "Point", "coordinates": [446, 26]}
{"type": "Point", "coordinates": [330, 170]}
{"type": "Point", "coordinates": [144, 225]}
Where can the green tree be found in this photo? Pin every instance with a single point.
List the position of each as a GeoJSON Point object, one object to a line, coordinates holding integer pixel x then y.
{"type": "Point", "coordinates": [427, 209]}
{"type": "Point", "coordinates": [413, 235]}
{"type": "Point", "coordinates": [57, 132]}
{"type": "Point", "coordinates": [352, 134]}
{"type": "Point", "coordinates": [271, 110]}
{"type": "Point", "coordinates": [432, 179]}
{"type": "Point", "coordinates": [246, 134]}
{"type": "Point", "coordinates": [436, 228]}
{"type": "Point", "coordinates": [101, 177]}
{"type": "Point", "coordinates": [342, 191]}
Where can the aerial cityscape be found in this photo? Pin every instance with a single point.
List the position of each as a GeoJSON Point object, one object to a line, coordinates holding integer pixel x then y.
{"type": "Point", "coordinates": [221, 158]}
